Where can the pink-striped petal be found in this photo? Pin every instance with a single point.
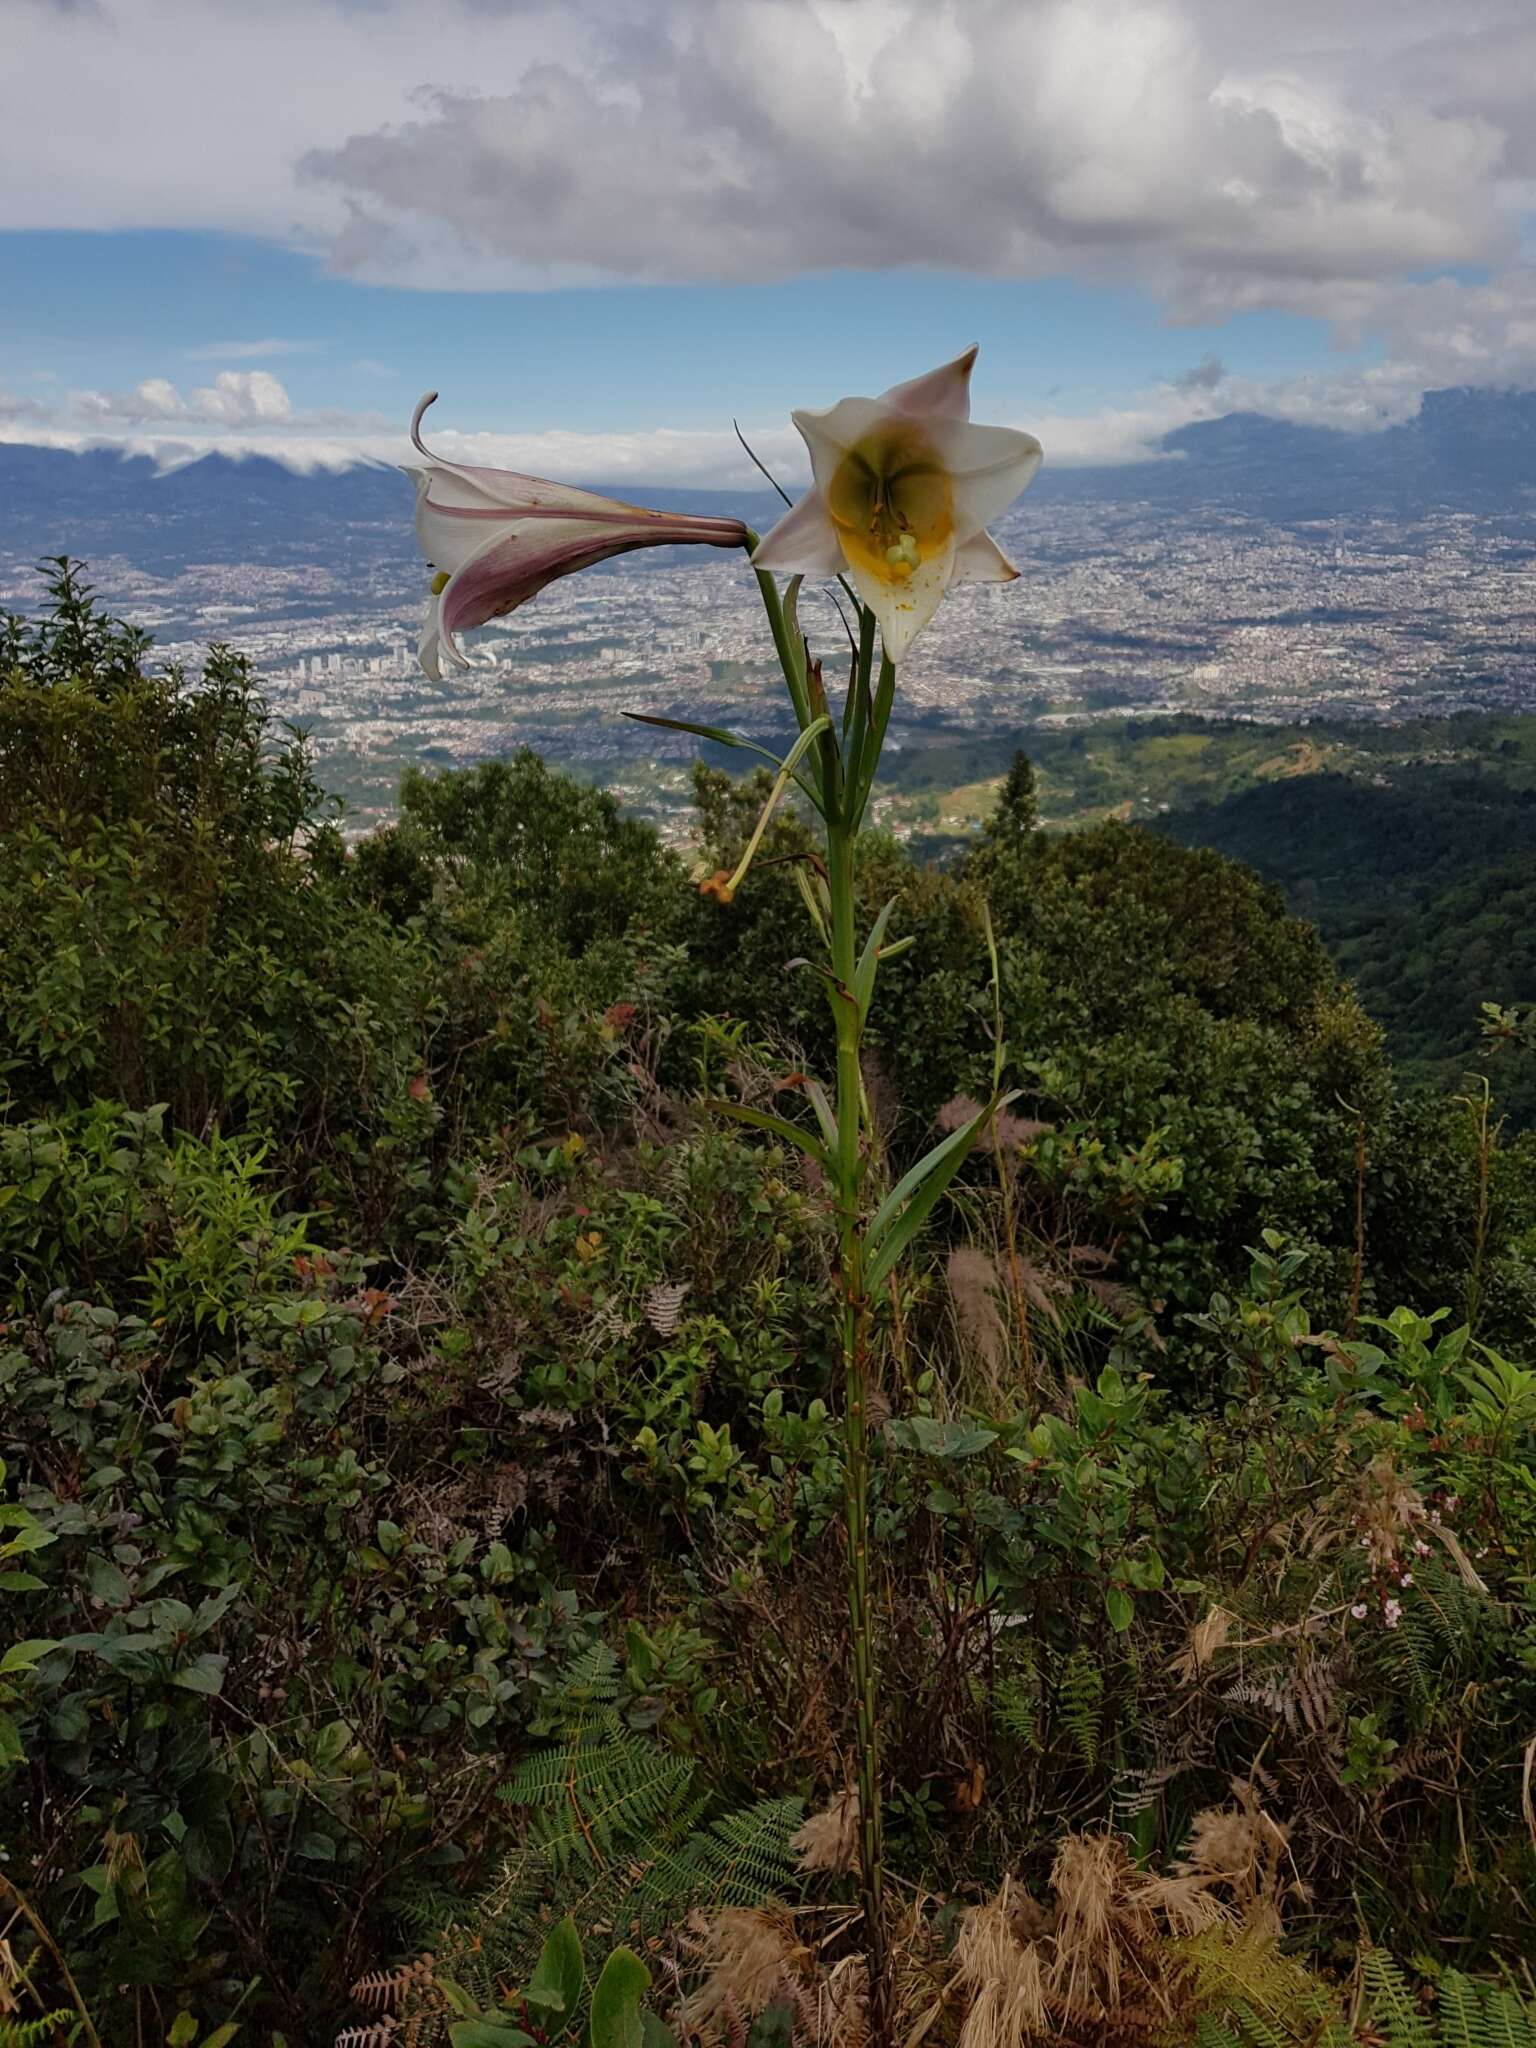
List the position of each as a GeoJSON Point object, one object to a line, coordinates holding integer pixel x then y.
{"type": "Point", "coordinates": [499, 537]}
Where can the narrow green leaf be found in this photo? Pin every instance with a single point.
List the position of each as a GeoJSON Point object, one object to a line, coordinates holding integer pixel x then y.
{"type": "Point", "coordinates": [824, 1116]}
{"type": "Point", "coordinates": [1119, 1606]}
{"type": "Point", "coordinates": [786, 772]}
{"type": "Point", "coordinates": [879, 718]}
{"type": "Point", "coordinates": [912, 1178]}
{"type": "Point", "coordinates": [721, 738]}
{"type": "Point", "coordinates": [869, 960]}
{"type": "Point", "coordinates": [894, 1227]}
{"type": "Point", "coordinates": [764, 1120]}
{"type": "Point", "coordinates": [702, 732]}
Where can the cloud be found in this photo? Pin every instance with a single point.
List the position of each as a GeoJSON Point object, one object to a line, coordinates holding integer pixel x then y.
{"type": "Point", "coordinates": [743, 140]}
{"type": "Point", "coordinates": [1363, 164]}
{"type": "Point", "coordinates": [248, 351]}
{"type": "Point", "coordinates": [236, 398]}
{"type": "Point", "coordinates": [229, 418]}
{"type": "Point", "coordinates": [1204, 376]}
{"type": "Point", "coordinates": [14, 407]}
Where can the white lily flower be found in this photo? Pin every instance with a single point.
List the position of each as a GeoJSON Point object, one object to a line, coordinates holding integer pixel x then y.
{"type": "Point", "coordinates": [496, 537]}
{"type": "Point", "coordinates": [905, 487]}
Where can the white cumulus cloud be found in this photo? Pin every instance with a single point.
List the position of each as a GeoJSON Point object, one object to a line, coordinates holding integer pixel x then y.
{"type": "Point", "coordinates": [235, 398]}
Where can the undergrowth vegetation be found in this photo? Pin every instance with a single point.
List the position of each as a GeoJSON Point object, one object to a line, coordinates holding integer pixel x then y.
{"type": "Point", "coordinates": [420, 1521]}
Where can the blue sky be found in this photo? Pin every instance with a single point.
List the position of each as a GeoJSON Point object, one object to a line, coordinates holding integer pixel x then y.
{"type": "Point", "coordinates": [577, 358]}
{"type": "Point", "coordinates": [602, 228]}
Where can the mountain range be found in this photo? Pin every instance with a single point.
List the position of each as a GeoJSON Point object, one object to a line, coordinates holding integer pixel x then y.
{"type": "Point", "coordinates": [1465, 450]}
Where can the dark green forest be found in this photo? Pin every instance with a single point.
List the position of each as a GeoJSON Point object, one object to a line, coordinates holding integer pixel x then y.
{"type": "Point", "coordinates": [1422, 886]}
{"type": "Point", "coordinates": [419, 1514]}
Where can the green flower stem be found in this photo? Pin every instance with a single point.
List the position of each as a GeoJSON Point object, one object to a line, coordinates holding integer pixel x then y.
{"type": "Point", "coordinates": [847, 773]}
{"type": "Point", "coordinates": [847, 1175]}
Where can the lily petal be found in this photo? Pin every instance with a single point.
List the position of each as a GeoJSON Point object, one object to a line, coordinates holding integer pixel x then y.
{"type": "Point", "coordinates": [904, 608]}
{"type": "Point", "coordinates": [990, 467]}
{"type": "Point", "coordinates": [981, 560]}
{"type": "Point", "coordinates": [905, 486]}
{"type": "Point", "coordinates": [944, 393]}
{"type": "Point", "coordinates": [804, 543]}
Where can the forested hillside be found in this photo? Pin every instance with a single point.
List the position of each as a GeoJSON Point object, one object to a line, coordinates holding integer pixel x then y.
{"type": "Point", "coordinates": [420, 1508]}
{"type": "Point", "coordinates": [1410, 846]}
{"type": "Point", "coordinates": [1423, 886]}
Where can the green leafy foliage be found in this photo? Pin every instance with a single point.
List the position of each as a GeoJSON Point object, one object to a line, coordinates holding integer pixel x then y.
{"type": "Point", "coordinates": [422, 1491]}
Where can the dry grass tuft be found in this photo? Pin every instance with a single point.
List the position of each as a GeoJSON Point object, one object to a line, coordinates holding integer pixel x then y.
{"type": "Point", "coordinates": [1102, 1966]}
{"type": "Point", "coordinates": [1246, 1852]}
{"type": "Point", "coordinates": [1212, 1632]}
{"type": "Point", "coordinates": [751, 1958]}
{"type": "Point", "coordinates": [1001, 1977]}
{"type": "Point", "coordinates": [974, 1289]}
{"type": "Point", "coordinates": [830, 1840]}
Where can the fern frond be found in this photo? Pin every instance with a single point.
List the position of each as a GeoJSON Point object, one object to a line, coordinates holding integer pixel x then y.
{"type": "Point", "coordinates": [1080, 1702]}
{"type": "Point", "coordinates": [385, 1990]}
{"type": "Point", "coordinates": [621, 1834]}
{"type": "Point", "coordinates": [1015, 1702]}
{"type": "Point", "coordinates": [1211, 2032]}
{"type": "Point", "coordinates": [1395, 2012]}
{"type": "Point", "coordinates": [1473, 2015]}
{"type": "Point", "coordinates": [741, 1859]}
{"type": "Point", "coordinates": [1267, 1999]}
{"type": "Point", "coordinates": [35, 2033]}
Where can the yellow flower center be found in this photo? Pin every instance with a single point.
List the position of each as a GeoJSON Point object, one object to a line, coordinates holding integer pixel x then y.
{"type": "Point", "coordinates": [891, 503]}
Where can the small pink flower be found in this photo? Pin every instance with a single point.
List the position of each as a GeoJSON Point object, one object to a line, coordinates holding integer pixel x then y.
{"type": "Point", "coordinates": [1392, 1613]}
{"type": "Point", "coordinates": [1422, 1547]}
{"type": "Point", "coordinates": [1359, 1610]}
{"type": "Point", "coordinates": [1405, 1579]}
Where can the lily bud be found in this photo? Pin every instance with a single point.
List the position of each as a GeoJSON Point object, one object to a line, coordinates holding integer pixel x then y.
{"type": "Point", "coordinates": [500, 537]}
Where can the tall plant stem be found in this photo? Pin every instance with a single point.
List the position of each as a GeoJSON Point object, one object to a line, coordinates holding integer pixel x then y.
{"type": "Point", "coordinates": [855, 1346]}
{"type": "Point", "coordinates": [846, 772]}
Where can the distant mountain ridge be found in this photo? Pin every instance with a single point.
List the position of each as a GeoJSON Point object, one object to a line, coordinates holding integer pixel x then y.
{"type": "Point", "coordinates": [1464, 449]}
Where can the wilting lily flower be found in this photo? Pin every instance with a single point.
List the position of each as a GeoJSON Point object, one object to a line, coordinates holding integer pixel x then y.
{"type": "Point", "coordinates": [904, 489]}
{"type": "Point", "coordinates": [496, 538]}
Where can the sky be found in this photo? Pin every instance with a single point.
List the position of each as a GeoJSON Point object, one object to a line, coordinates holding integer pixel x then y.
{"type": "Point", "coordinates": [605, 229]}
